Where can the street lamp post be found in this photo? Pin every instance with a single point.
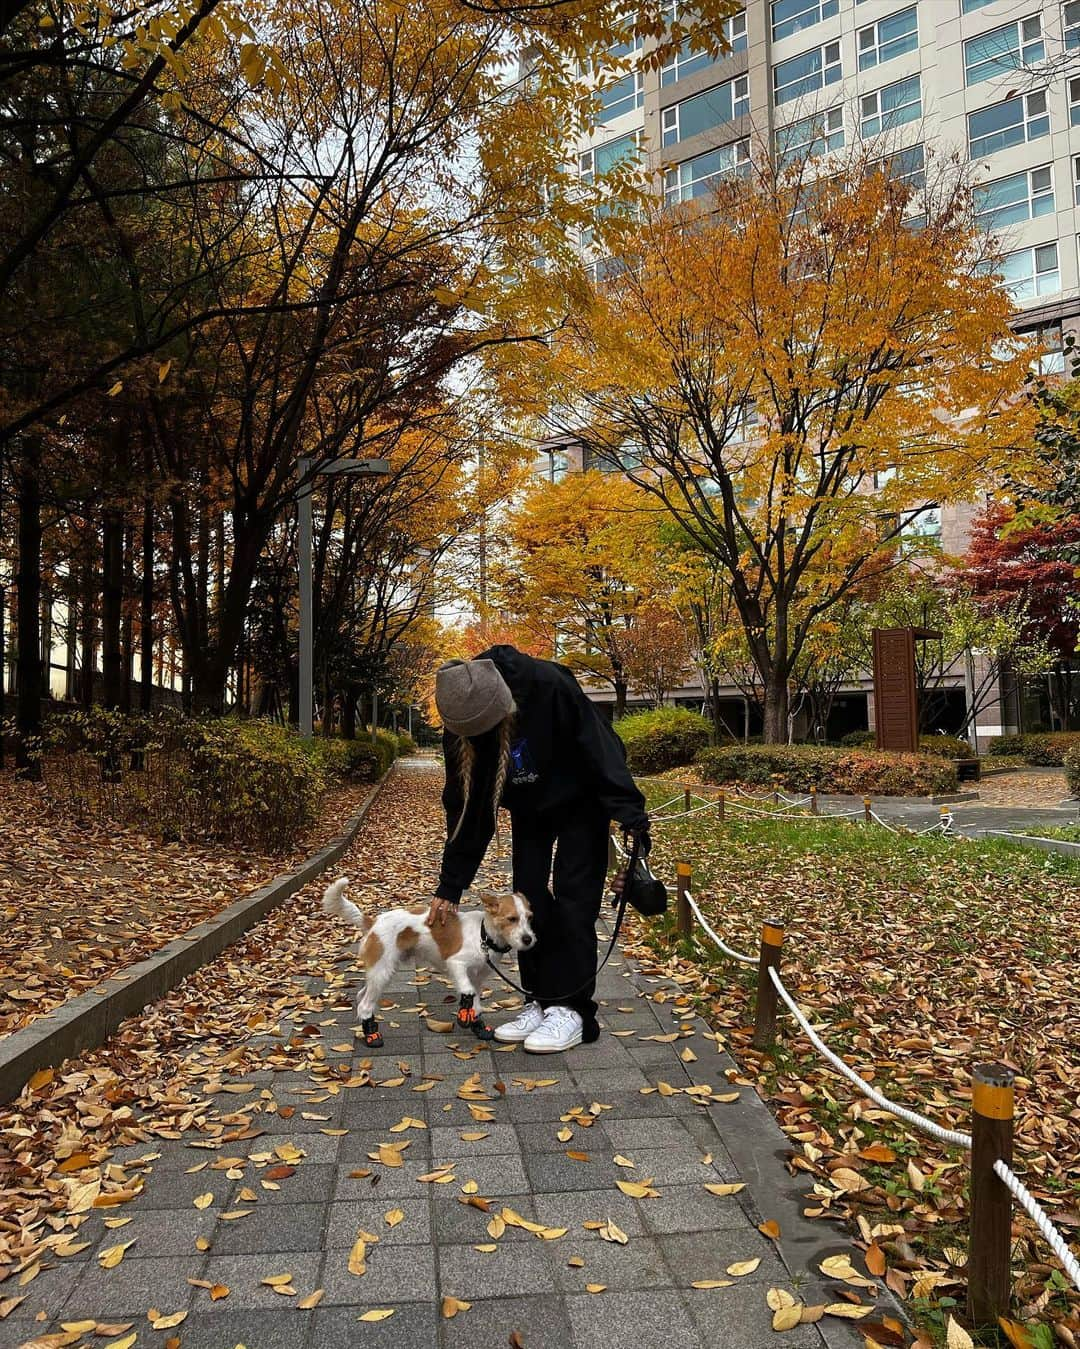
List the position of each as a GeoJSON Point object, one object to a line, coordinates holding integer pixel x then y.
{"type": "Point", "coordinates": [379, 468]}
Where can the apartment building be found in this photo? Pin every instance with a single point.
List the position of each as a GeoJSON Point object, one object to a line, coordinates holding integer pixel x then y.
{"type": "Point", "coordinates": [995, 82]}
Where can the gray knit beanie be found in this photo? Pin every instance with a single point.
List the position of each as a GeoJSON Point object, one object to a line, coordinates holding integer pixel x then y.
{"type": "Point", "coordinates": [472, 696]}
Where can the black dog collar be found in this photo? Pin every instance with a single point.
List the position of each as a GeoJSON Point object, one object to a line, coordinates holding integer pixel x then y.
{"type": "Point", "coordinates": [488, 945]}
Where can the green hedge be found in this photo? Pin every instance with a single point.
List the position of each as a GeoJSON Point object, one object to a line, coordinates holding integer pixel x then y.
{"type": "Point", "coordinates": [1042, 750]}
{"type": "Point", "coordinates": [405, 744]}
{"type": "Point", "coordinates": [799, 767]}
{"type": "Point", "coordinates": [1072, 769]}
{"type": "Point", "coordinates": [940, 746]}
{"type": "Point", "coordinates": [253, 784]}
{"type": "Point", "coordinates": [668, 737]}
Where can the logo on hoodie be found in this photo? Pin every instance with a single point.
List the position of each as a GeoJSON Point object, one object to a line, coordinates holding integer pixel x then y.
{"type": "Point", "coordinates": [522, 769]}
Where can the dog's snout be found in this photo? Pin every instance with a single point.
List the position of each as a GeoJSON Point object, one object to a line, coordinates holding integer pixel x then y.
{"type": "Point", "coordinates": [528, 941]}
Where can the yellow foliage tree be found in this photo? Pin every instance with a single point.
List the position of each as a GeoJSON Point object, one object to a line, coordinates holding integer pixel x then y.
{"type": "Point", "coordinates": [798, 374]}
{"type": "Point", "coordinates": [582, 558]}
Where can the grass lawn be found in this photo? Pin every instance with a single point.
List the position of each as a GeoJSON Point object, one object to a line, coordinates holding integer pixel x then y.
{"type": "Point", "coordinates": [918, 958]}
{"type": "Point", "coordinates": [1068, 833]}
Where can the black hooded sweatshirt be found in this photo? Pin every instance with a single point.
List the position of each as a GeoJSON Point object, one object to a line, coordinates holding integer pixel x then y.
{"type": "Point", "coordinates": [564, 756]}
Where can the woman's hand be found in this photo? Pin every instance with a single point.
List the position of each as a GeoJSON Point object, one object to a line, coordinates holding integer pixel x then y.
{"type": "Point", "coordinates": [438, 912]}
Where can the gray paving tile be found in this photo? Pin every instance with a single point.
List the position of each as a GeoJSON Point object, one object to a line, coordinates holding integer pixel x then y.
{"type": "Point", "coordinates": [155, 1231]}
{"type": "Point", "coordinates": [47, 1293]}
{"type": "Point", "coordinates": [274, 1228]}
{"type": "Point", "coordinates": [637, 1265]}
{"type": "Point", "coordinates": [553, 1171]}
{"type": "Point", "coordinates": [654, 1317]}
{"type": "Point", "coordinates": [310, 1183]}
{"type": "Point", "coordinates": [544, 1105]}
{"type": "Point", "coordinates": [344, 1221]}
{"type": "Point", "coordinates": [692, 1256]}
{"type": "Point", "coordinates": [414, 1325]}
{"type": "Point", "coordinates": [542, 1136]}
{"type": "Point", "coordinates": [681, 1165]}
{"type": "Point", "coordinates": [176, 1189]}
{"type": "Point", "coordinates": [394, 1274]}
{"type": "Point", "coordinates": [625, 1134]}
{"type": "Point", "coordinates": [457, 1223]}
{"type": "Point", "coordinates": [575, 1207]}
{"type": "Point", "coordinates": [222, 1327]}
{"type": "Point", "coordinates": [134, 1285]}
{"type": "Point", "coordinates": [243, 1275]}
{"type": "Point", "coordinates": [744, 1321]}
{"type": "Point", "coordinates": [508, 1271]}
{"type": "Point", "coordinates": [446, 1140]}
{"type": "Point", "coordinates": [691, 1208]}
{"type": "Point", "coordinates": [359, 1142]}
{"type": "Point", "coordinates": [595, 1081]}
{"type": "Point", "coordinates": [378, 1109]}
{"type": "Point", "coordinates": [541, 1322]}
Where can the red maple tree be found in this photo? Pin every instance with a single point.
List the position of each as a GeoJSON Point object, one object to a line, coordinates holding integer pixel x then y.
{"type": "Point", "coordinates": [1028, 563]}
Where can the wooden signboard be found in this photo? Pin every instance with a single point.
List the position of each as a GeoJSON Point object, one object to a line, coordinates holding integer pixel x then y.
{"type": "Point", "coordinates": [896, 702]}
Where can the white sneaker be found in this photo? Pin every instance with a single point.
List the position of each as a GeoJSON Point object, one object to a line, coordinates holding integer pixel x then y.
{"type": "Point", "coordinates": [561, 1029]}
{"type": "Point", "coordinates": [527, 1020]}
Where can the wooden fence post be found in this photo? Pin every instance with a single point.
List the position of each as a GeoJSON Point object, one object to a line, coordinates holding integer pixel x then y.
{"type": "Point", "coordinates": [990, 1224]}
{"type": "Point", "coordinates": [686, 798]}
{"type": "Point", "coordinates": [866, 809]}
{"type": "Point", "coordinates": [684, 919]}
{"type": "Point", "coordinates": [776, 796]}
{"type": "Point", "coordinates": [720, 807]}
{"type": "Point", "coordinates": [813, 801]}
{"type": "Point", "coordinates": [772, 939]}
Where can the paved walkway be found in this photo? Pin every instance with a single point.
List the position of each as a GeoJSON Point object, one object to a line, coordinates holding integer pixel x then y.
{"type": "Point", "coordinates": [480, 1131]}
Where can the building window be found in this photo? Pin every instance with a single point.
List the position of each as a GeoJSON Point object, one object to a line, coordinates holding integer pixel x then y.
{"type": "Point", "coordinates": [906, 166]}
{"type": "Point", "coordinates": [792, 16]}
{"type": "Point", "coordinates": [970, 6]}
{"type": "Point", "coordinates": [1048, 336]}
{"type": "Point", "coordinates": [1076, 180]}
{"type": "Point", "coordinates": [1020, 196]}
{"type": "Point", "coordinates": [805, 74]}
{"type": "Point", "coordinates": [621, 96]}
{"type": "Point", "coordinates": [603, 269]}
{"type": "Point", "coordinates": [686, 62]}
{"type": "Point", "coordinates": [1074, 102]}
{"type": "Point", "coordinates": [888, 38]}
{"type": "Point", "coordinates": [603, 158]}
{"type": "Point", "coordinates": [1030, 272]}
{"type": "Point", "coordinates": [699, 176]}
{"type": "Point", "coordinates": [810, 136]}
{"type": "Point", "coordinates": [704, 111]}
{"type": "Point", "coordinates": [890, 107]}
{"type": "Point", "coordinates": [1003, 50]}
{"type": "Point", "coordinates": [1009, 123]}
{"type": "Point", "coordinates": [923, 533]}
{"type": "Point", "coordinates": [1071, 19]}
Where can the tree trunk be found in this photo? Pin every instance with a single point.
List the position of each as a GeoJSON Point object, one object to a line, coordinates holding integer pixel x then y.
{"type": "Point", "coordinates": [71, 638]}
{"type": "Point", "coordinates": [775, 729]}
{"type": "Point", "coordinates": [87, 582]}
{"type": "Point", "coordinates": [146, 609]}
{"type": "Point", "coordinates": [127, 623]}
{"type": "Point", "coordinates": [112, 598]}
{"type": "Point", "coordinates": [28, 670]}
{"type": "Point", "coordinates": [620, 697]}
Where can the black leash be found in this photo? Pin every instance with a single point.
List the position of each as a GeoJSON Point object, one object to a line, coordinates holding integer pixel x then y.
{"type": "Point", "coordinates": [623, 899]}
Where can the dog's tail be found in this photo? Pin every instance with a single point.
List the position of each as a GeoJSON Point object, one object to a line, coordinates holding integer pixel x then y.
{"type": "Point", "coordinates": [335, 904]}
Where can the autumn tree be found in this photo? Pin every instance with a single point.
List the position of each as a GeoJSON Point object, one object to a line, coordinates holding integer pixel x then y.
{"type": "Point", "coordinates": [790, 371]}
{"type": "Point", "coordinates": [655, 651]}
{"type": "Point", "coordinates": [582, 560]}
{"type": "Point", "coordinates": [1010, 563]}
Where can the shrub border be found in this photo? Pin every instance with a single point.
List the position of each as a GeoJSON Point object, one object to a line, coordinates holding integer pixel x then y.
{"type": "Point", "coordinates": [87, 1021]}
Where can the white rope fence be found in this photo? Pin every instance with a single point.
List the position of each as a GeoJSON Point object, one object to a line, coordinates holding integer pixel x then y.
{"type": "Point", "coordinates": [727, 950]}
{"type": "Point", "coordinates": [949, 1136]}
{"type": "Point", "coordinates": [1035, 1212]}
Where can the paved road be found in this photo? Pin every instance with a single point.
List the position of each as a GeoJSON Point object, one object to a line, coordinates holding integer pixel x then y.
{"type": "Point", "coordinates": [305, 1223]}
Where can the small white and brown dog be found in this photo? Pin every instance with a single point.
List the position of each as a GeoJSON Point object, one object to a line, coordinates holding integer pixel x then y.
{"type": "Point", "coordinates": [459, 945]}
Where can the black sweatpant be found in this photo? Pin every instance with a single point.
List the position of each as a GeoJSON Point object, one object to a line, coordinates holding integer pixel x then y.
{"type": "Point", "coordinates": [565, 902]}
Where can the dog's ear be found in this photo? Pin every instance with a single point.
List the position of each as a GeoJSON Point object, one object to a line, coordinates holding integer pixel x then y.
{"type": "Point", "coordinates": [490, 900]}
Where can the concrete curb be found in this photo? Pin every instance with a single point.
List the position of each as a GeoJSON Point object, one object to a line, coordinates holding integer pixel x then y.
{"type": "Point", "coordinates": [1058, 845]}
{"type": "Point", "coordinates": [87, 1021]}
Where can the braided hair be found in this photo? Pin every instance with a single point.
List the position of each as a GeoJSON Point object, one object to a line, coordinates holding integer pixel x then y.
{"type": "Point", "coordinates": [466, 767]}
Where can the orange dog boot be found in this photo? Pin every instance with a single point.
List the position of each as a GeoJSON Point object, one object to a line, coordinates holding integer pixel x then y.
{"type": "Point", "coordinates": [372, 1038]}
{"type": "Point", "coordinates": [469, 1018]}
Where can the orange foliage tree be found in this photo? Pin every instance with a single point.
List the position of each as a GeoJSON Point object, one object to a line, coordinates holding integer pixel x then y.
{"type": "Point", "coordinates": [798, 367]}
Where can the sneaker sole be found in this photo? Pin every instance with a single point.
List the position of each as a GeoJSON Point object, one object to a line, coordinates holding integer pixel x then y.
{"type": "Point", "coordinates": [552, 1049]}
{"type": "Point", "coordinates": [512, 1039]}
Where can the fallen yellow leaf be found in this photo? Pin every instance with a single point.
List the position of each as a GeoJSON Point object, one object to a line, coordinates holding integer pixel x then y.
{"type": "Point", "coordinates": [312, 1300]}
{"type": "Point", "coordinates": [377, 1314]}
{"type": "Point", "coordinates": [452, 1305]}
{"type": "Point", "coordinates": [358, 1257]}
{"type": "Point", "coordinates": [204, 1200]}
{"type": "Point", "coordinates": [110, 1258]}
{"type": "Point", "coordinates": [741, 1267]}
